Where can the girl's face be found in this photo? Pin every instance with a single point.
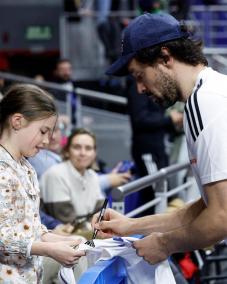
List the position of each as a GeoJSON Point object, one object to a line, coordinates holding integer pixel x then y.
{"type": "Point", "coordinates": [82, 152]}
{"type": "Point", "coordinates": [35, 135]}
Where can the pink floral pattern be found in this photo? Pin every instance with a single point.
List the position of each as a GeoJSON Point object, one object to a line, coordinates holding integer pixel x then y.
{"type": "Point", "coordinates": [19, 221]}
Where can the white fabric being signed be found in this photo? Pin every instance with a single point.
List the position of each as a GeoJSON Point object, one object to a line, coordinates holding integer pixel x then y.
{"type": "Point", "coordinates": [137, 269]}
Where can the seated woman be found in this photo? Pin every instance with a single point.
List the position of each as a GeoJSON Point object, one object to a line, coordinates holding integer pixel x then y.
{"type": "Point", "coordinates": [71, 189]}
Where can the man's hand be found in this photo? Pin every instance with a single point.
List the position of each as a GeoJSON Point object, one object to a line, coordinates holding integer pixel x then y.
{"type": "Point", "coordinates": [113, 224]}
{"type": "Point", "coordinates": [152, 248]}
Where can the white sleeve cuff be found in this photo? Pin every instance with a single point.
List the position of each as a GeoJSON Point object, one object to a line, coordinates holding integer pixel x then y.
{"type": "Point", "coordinates": [28, 254]}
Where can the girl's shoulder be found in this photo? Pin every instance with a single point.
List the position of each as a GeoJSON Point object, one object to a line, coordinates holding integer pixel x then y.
{"type": "Point", "coordinates": [7, 171]}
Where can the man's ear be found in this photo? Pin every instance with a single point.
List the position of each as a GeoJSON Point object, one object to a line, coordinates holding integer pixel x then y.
{"type": "Point", "coordinates": [17, 121]}
{"type": "Point", "coordinates": [165, 56]}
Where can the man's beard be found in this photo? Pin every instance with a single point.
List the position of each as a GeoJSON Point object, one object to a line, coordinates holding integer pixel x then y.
{"type": "Point", "coordinates": [168, 89]}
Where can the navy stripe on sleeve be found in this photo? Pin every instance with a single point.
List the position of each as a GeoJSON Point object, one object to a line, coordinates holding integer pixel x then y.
{"type": "Point", "coordinates": [193, 115]}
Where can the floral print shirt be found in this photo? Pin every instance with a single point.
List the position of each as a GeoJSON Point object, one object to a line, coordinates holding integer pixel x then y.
{"type": "Point", "coordinates": [19, 221]}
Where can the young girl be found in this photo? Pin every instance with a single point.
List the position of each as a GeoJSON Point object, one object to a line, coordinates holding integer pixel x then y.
{"type": "Point", "coordinates": [27, 119]}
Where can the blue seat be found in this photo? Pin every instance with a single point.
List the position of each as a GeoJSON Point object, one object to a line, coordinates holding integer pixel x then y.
{"type": "Point", "coordinates": [105, 272]}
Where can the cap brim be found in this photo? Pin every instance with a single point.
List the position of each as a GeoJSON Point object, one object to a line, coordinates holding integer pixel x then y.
{"type": "Point", "coordinates": [120, 66]}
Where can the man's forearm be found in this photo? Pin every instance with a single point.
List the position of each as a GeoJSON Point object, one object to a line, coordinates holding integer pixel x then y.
{"type": "Point", "coordinates": [168, 221]}
{"type": "Point", "coordinates": [207, 229]}
{"type": "Point", "coordinates": [190, 212]}
{"type": "Point", "coordinates": [154, 223]}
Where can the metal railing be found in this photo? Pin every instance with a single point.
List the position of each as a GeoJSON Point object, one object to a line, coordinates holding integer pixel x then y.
{"type": "Point", "coordinates": [210, 24]}
{"type": "Point", "coordinates": [88, 54]}
{"type": "Point", "coordinates": [60, 87]}
{"type": "Point", "coordinates": [80, 92]}
{"type": "Point", "coordinates": [111, 128]}
{"type": "Point", "coordinates": [187, 190]}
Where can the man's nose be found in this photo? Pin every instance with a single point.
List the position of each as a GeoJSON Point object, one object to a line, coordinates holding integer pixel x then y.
{"type": "Point", "coordinates": [141, 88]}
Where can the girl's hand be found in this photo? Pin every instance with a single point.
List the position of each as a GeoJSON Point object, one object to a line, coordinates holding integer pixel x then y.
{"type": "Point", "coordinates": [65, 252]}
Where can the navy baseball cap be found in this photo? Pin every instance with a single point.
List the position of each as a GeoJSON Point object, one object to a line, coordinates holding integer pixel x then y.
{"type": "Point", "coordinates": [145, 31]}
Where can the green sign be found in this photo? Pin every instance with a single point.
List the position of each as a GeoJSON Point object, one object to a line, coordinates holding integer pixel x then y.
{"type": "Point", "coordinates": [38, 33]}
